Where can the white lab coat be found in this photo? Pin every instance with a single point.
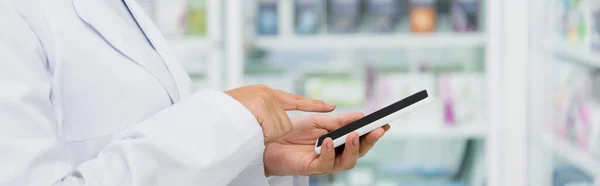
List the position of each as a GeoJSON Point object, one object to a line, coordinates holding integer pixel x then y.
{"type": "Point", "coordinates": [79, 105]}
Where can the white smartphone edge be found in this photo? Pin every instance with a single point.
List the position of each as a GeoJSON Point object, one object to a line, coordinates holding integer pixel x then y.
{"type": "Point", "coordinates": [380, 122]}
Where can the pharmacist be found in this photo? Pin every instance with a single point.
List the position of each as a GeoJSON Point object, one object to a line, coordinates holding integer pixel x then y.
{"type": "Point", "coordinates": [90, 96]}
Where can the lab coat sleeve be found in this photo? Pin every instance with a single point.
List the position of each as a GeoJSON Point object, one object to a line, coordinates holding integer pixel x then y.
{"type": "Point", "coordinates": [206, 139]}
{"type": "Point", "coordinates": [254, 175]}
{"type": "Point", "coordinates": [289, 180]}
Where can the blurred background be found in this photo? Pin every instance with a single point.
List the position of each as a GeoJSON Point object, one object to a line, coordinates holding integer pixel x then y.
{"type": "Point", "coordinates": [516, 82]}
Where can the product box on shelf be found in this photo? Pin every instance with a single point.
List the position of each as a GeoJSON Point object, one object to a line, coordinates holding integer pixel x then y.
{"type": "Point", "coordinates": [276, 80]}
{"type": "Point", "coordinates": [265, 71]}
{"type": "Point", "coordinates": [594, 131]}
{"type": "Point", "coordinates": [422, 16]}
{"type": "Point", "coordinates": [463, 98]}
{"type": "Point", "coordinates": [444, 22]}
{"type": "Point", "coordinates": [343, 15]}
{"type": "Point", "coordinates": [343, 89]}
{"type": "Point", "coordinates": [561, 99]}
{"type": "Point", "coordinates": [594, 26]}
{"type": "Point", "coordinates": [196, 18]}
{"type": "Point", "coordinates": [308, 16]}
{"type": "Point", "coordinates": [579, 130]}
{"type": "Point", "coordinates": [594, 140]}
{"type": "Point", "coordinates": [555, 19]}
{"type": "Point", "coordinates": [465, 15]}
{"type": "Point", "coordinates": [472, 59]}
{"type": "Point", "coordinates": [576, 23]}
{"type": "Point", "coordinates": [577, 109]}
{"type": "Point", "coordinates": [443, 60]}
{"type": "Point", "coordinates": [382, 15]}
{"type": "Point", "coordinates": [267, 18]}
{"type": "Point", "coordinates": [392, 87]}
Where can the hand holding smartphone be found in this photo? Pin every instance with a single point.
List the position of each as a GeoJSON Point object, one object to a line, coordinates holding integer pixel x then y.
{"type": "Point", "coordinates": [376, 119]}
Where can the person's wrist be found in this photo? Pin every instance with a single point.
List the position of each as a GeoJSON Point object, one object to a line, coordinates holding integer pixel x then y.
{"type": "Point", "coordinates": [266, 164]}
{"type": "Point", "coordinates": [271, 160]}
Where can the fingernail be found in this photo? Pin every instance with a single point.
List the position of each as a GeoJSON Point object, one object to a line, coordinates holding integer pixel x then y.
{"type": "Point", "coordinates": [355, 141]}
{"type": "Point", "coordinates": [330, 104]}
{"type": "Point", "coordinates": [330, 145]}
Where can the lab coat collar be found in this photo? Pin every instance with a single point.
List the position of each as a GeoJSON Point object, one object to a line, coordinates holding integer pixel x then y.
{"type": "Point", "coordinates": [158, 41]}
{"type": "Point", "coordinates": [108, 26]}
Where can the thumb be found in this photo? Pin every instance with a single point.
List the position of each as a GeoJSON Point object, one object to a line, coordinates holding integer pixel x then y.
{"type": "Point", "coordinates": [326, 162]}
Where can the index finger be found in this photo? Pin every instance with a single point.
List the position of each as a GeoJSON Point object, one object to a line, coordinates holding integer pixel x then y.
{"type": "Point", "coordinates": [294, 102]}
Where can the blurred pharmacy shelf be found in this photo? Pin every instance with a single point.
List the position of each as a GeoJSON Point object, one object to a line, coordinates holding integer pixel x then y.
{"type": "Point", "coordinates": [416, 132]}
{"type": "Point", "coordinates": [193, 31]}
{"type": "Point", "coordinates": [333, 50]}
{"type": "Point", "coordinates": [563, 63]}
{"type": "Point", "coordinates": [353, 41]}
{"type": "Point", "coordinates": [579, 55]}
{"type": "Point", "coordinates": [579, 158]}
{"type": "Point", "coordinates": [194, 41]}
{"type": "Point", "coordinates": [202, 59]}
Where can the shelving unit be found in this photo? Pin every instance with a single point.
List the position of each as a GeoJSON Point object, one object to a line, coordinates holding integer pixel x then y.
{"type": "Point", "coordinates": [201, 55]}
{"type": "Point", "coordinates": [561, 85]}
{"type": "Point", "coordinates": [519, 55]}
{"type": "Point", "coordinates": [441, 133]}
{"type": "Point", "coordinates": [354, 41]}
{"type": "Point", "coordinates": [227, 40]}
{"type": "Point", "coordinates": [241, 19]}
{"type": "Point", "coordinates": [579, 158]}
{"type": "Point", "coordinates": [579, 55]}
{"type": "Point", "coordinates": [195, 41]}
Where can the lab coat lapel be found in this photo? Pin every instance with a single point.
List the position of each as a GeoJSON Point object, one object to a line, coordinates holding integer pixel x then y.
{"type": "Point", "coordinates": [115, 31]}
{"type": "Point", "coordinates": [179, 74]}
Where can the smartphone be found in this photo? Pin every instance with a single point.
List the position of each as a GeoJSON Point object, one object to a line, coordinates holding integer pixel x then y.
{"type": "Point", "coordinates": [376, 119]}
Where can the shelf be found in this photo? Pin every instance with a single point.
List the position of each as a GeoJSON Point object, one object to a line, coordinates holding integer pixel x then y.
{"type": "Point", "coordinates": [193, 41]}
{"type": "Point", "coordinates": [353, 41]}
{"type": "Point", "coordinates": [408, 132]}
{"type": "Point", "coordinates": [577, 54]}
{"type": "Point", "coordinates": [572, 154]}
